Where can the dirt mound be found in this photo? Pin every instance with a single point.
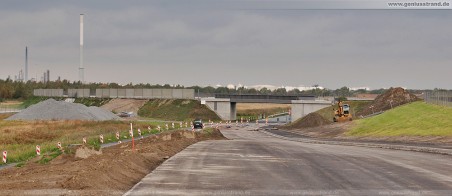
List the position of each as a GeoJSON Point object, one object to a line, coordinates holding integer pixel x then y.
{"type": "Point", "coordinates": [124, 105]}
{"type": "Point", "coordinates": [51, 109]}
{"type": "Point", "coordinates": [394, 96]}
{"type": "Point", "coordinates": [112, 172]}
{"type": "Point", "coordinates": [310, 120]}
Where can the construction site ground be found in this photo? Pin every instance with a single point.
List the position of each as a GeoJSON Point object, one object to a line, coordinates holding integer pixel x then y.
{"type": "Point", "coordinates": [112, 172]}
{"type": "Point", "coordinates": [124, 105]}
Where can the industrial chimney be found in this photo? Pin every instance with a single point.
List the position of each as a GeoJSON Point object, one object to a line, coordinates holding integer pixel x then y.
{"type": "Point", "coordinates": [26, 64]}
{"type": "Point", "coordinates": [81, 69]}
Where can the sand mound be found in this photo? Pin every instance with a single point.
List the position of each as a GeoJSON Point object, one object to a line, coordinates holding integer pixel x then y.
{"type": "Point", "coordinates": [395, 96]}
{"type": "Point", "coordinates": [310, 120]}
{"type": "Point", "coordinates": [61, 110]}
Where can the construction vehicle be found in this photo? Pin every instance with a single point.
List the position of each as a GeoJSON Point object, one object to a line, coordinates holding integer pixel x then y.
{"type": "Point", "coordinates": [342, 114]}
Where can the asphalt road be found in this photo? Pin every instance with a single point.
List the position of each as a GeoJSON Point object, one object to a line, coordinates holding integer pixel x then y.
{"type": "Point", "coordinates": [253, 163]}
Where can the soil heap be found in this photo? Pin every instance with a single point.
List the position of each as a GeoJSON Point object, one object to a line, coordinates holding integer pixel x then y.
{"type": "Point", "coordinates": [311, 120]}
{"type": "Point", "coordinates": [395, 96]}
{"type": "Point", "coordinates": [61, 110]}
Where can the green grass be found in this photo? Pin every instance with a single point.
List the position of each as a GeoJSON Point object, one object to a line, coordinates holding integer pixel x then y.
{"type": "Point", "coordinates": [355, 106]}
{"type": "Point", "coordinates": [414, 119]}
{"type": "Point", "coordinates": [178, 109]}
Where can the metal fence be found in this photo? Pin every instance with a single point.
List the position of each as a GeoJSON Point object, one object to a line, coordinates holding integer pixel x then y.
{"type": "Point", "coordinates": [439, 97]}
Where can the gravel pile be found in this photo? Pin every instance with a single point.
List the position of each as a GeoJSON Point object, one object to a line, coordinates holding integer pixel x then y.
{"type": "Point", "coordinates": [61, 110]}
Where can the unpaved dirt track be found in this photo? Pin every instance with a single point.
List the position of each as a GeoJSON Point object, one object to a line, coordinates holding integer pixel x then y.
{"type": "Point", "coordinates": [125, 105]}
{"type": "Point", "coordinates": [253, 163]}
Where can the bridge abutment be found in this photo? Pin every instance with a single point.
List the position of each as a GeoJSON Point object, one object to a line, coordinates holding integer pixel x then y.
{"type": "Point", "coordinates": [224, 108]}
{"type": "Point", "coordinates": [301, 108]}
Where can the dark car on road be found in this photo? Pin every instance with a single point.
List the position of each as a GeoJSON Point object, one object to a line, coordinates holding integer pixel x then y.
{"type": "Point", "coordinates": [197, 124]}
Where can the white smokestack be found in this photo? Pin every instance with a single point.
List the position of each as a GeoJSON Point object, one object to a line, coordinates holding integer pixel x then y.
{"type": "Point", "coordinates": [26, 64]}
{"type": "Point", "coordinates": [81, 69]}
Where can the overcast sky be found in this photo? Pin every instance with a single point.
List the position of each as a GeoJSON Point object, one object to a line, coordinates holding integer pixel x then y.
{"type": "Point", "coordinates": [221, 42]}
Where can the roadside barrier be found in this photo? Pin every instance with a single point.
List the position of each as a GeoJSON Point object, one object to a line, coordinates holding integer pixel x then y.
{"type": "Point", "coordinates": [38, 150]}
{"type": "Point", "coordinates": [158, 128]}
{"type": "Point", "coordinates": [4, 156]}
{"type": "Point", "coordinates": [186, 124]}
{"type": "Point", "coordinates": [139, 132]}
{"type": "Point", "coordinates": [180, 125]}
{"type": "Point", "coordinates": [172, 125]}
{"type": "Point", "coordinates": [167, 127]}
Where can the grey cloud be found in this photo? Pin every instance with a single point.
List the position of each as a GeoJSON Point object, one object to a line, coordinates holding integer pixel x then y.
{"type": "Point", "coordinates": [171, 41]}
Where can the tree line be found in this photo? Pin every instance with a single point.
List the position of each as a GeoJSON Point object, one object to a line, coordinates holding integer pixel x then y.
{"type": "Point", "coordinates": [10, 89]}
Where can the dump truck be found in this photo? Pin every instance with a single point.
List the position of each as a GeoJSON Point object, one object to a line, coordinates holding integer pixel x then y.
{"type": "Point", "coordinates": [342, 113]}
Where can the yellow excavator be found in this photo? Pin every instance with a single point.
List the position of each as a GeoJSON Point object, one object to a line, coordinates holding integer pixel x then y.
{"type": "Point", "coordinates": [342, 114]}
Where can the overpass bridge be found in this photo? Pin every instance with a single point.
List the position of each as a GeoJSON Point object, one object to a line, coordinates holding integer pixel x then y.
{"type": "Point", "coordinates": [226, 105]}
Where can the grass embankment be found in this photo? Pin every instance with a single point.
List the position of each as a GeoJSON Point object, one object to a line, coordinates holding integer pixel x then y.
{"type": "Point", "coordinates": [176, 109]}
{"type": "Point", "coordinates": [19, 138]}
{"type": "Point", "coordinates": [356, 106]}
{"type": "Point", "coordinates": [414, 119]}
{"type": "Point", "coordinates": [253, 110]}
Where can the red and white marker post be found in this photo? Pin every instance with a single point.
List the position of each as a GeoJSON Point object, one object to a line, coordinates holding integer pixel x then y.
{"type": "Point", "coordinates": [5, 154]}
{"type": "Point", "coordinates": [117, 137]}
{"type": "Point", "coordinates": [101, 138]}
{"type": "Point", "coordinates": [38, 150]}
{"type": "Point", "coordinates": [131, 135]}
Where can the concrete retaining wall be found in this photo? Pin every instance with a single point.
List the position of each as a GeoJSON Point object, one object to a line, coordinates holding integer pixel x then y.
{"type": "Point", "coordinates": [119, 93]}
{"type": "Point", "coordinates": [48, 92]}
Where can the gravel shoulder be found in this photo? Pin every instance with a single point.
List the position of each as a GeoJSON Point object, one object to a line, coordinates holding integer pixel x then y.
{"type": "Point", "coordinates": [337, 132]}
